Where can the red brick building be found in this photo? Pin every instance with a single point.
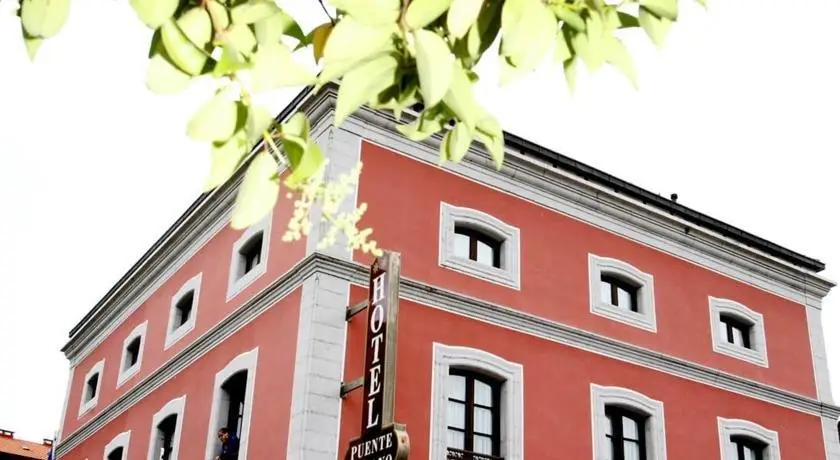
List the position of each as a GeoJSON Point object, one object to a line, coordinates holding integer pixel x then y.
{"type": "Point", "coordinates": [548, 311]}
{"type": "Point", "coordinates": [12, 448]}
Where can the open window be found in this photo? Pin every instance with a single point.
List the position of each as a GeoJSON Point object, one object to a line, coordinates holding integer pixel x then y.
{"type": "Point", "coordinates": [132, 356]}
{"type": "Point", "coordinates": [166, 430]}
{"type": "Point", "coordinates": [249, 256]}
{"type": "Point", "coordinates": [183, 309]}
{"type": "Point", "coordinates": [479, 245]}
{"type": "Point", "coordinates": [738, 331]}
{"type": "Point", "coordinates": [117, 449]}
{"type": "Point", "coordinates": [91, 389]}
{"type": "Point", "coordinates": [744, 440]}
{"type": "Point", "coordinates": [477, 406]}
{"type": "Point", "coordinates": [233, 397]}
{"type": "Point", "coordinates": [627, 425]}
{"type": "Point", "coordinates": [621, 292]}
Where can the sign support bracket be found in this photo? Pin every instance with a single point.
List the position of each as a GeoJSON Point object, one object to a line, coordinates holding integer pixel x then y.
{"type": "Point", "coordinates": [354, 310]}
{"type": "Point", "coordinates": [347, 387]}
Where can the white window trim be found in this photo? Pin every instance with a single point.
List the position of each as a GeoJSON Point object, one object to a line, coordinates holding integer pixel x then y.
{"type": "Point", "coordinates": [245, 362]}
{"type": "Point", "coordinates": [603, 396]}
{"type": "Point", "coordinates": [730, 427]}
{"type": "Point", "coordinates": [758, 355]}
{"type": "Point", "coordinates": [512, 397]}
{"type": "Point", "coordinates": [646, 317]}
{"type": "Point", "coordinates": [125, 374]}
{"type": "Point", "coordinates": [237, 285]}
{"type": "Point", "coordinates": [120, 440]}
{"type": "Point", "coordinates": [98, 368]}
{"type": "Point", "coordinates": [509, 274]}
{"type": "Point", "coordinates": [175, 406]}
{"type": "Point", "coordinates": [173, 334]}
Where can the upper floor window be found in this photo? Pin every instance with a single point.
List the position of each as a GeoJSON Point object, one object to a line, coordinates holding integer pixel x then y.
{"type": "Point", "coordinates": [743, 440]}
{"type": "Point", "coordinates": [738, 331]}
{"type": "Point", "coordinates": [132, 356]}
{"type": "Point", "coordinates": [474, 416]}
{"type": "Point", "coordinates": [183, 309]}
{"type": "Point", "coordinates": [627, 425]}
{"type": "Point", "coordinates": [233, 398]}
{"type": "Point", "coordinates": [622, 292]}
{"type": "Point", "coordinates": [117, 449]}
{"type": "Point", "coordinates": [91, 390]}
{"type": "Point", "coordinates": [249, 256]}
{"type": "Point", "coordinates": [478, 244]}
{"type": "Point", "coordinates": [166, 430]}
{"type": "Point", "coordinates": [476, 406]}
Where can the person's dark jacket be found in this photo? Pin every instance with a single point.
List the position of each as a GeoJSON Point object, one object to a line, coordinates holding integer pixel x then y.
{"type": "Point", "coordinates": [230, 448]}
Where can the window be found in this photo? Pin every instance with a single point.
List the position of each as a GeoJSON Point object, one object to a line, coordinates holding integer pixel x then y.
{"type": "Point", "coordinates": [476, 405]}
{"type": "Point", "coordinates": [183, 309]}
{"type": "Point", "coordinates": [743, 440]}
{"type": "Point", "coordinates": [479, 245]}
{"type": "Point", "coordinates": [473, 417]}
{"type": "Point", "coordinates": [166, 430]}
{"type": "Point", "coordinates": [249, 256]}
{"type": "Point", "coordinates": [233, 398]}
{"type": "Point", "coordinates": [132, 353]}
{"type": "Point", "coordinates": [117, 449]}
{"type": "Point", "coordinates": [90, 392]}
{"type": "Point", "coordinates": [621, 292]}
{"type": "Point", "coordinates": [738, 331]}
{"type": "Point", "coordinates": [626, 425]}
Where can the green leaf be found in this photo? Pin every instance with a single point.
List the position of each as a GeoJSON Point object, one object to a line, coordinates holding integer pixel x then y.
{"type": "Point", "coordinates": [309, 164]}
{"type": "Point", "coordinates": [617, 55]}
{"type": "Point", "coordinates": [590, 47]}
{"type": "Point", "coordinates": [275, 68]}
{"type": "Point", "coordinates": [627, 20]}
{"type": "Point", "coordinates": [528, 31]}
{"type": "Point", "coordinates": [258, 192]}
{"type": "Point", "coordinates": [462, 15]}
{"type": "Point", "coordinates": [44, 18]}
{"type": "Point", "coordinates": [297, 125]}
{"type": "Point", "coordinates": [490, 133]}
{"type": "Point", "coordinates": [320, 35]}
{"type": "Point", "coordinates": [272, 28]}
{"type": "Point", "coordinates": [154, 13]}
{"type": "Point", "coordinates": [667, 9]}
{"type": "Point", "coordinates": [259, 120]}
{"type": "Point", "coordinates": [655, 27]}
{"type": "Point", "coordinates": [570, 71]}
{"type": "Point", "coordinates": [568, 16]}
{"type": "Point", "coordinates": [703, 3]}
{"type": "Point", "coordinates": [253, 11]}
{"type": "Point", "coordinates": [429, 122]}
{"type": "Point", "coordinates": [370, 12]}
{"type": "Point", "coordinates": [215, 121]}
{"type": "Point", "coordinates": [185, 39]}
{"type": "Point", "coordinates": [434, 61]}
{"type": "Point", "coordinates": [457, 142]}
{"type": "Point", "coordinates": [352, 43]}
{"type": "Point", "coordinates": [421, 13]}
{"type": "Point", "coordinates": [363, 83]}
{"type": "Point", "coordinates": [32, 43]}
{"type": "Point", "coordinates": [162, 76]}
{"type": "Point", "coordinates": [219, 14]}
{"type": "Point", "coordinates": [483, 33]}
{"type": "Point", "coordinates": [563, 46]}
{"type": "Point", "coordinates": [224, 159]}
{"type": "Point", "coordinates": [460, 98]}
{"type": "Point", "coordinates": [240, 37]}
{"type": "Point", "coordinates": [230, 62]}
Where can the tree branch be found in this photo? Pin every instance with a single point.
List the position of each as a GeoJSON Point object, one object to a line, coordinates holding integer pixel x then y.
{"type": "Point", "coordinates": [323, 7]}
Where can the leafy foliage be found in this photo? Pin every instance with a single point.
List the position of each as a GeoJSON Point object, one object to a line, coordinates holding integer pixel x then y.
{"type": "Point", "coordinates": [388, 54]}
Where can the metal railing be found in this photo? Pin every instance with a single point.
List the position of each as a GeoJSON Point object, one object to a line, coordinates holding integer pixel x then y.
{"type": "Point", "coordinates": [458, 454]}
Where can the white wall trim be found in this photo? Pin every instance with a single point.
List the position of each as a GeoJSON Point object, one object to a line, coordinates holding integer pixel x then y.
{"type": "Point", "coordinates": [509, 273]}
{"type": "Point", "coordinates": [120, 440]}
{"type": "Point", "coordinates": [127, 373]}
{"type": "Point", "coordinates": [85, 406]}
{"type": "Point", "coordinates": [69, 387]}
{"type": "Point", "coordinates": [512, 399]}
{"type": "Point", "coordinates": [173, 333]}
{"type": "Point", "coordinates": [831, 437]}
{"type": "Point", "coordinates": [816, 333]}
{"type": "Point", "coordinates": [236, 282]}
{"type": "Point", "coordinates": [756, 355]}
{"type": "Point", "coordinates": [244, 362]}
{"type": "Point", "coordinates": [736, 427]}
{"type": "Point", "coordinates": [176, 407]}
{"type": "Point", "coordinates": [603, 396]}
{"type": "Point", "coordinates": [645, 318]}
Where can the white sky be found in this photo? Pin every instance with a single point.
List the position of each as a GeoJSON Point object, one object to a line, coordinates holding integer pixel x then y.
{"type": "Point", "coordinates": [735, 114]}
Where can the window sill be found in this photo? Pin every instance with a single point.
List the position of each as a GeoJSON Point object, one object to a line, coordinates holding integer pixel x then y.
{"type": "Point", "coordinates": [175, 336]}
{"type": "Point", "coordinates": [246, 280]}
{"type": "Point", "coordinates": [741, 353]}
{"type": "Point", "coordinates": [87, 407]}
{"type": "Point", "coordinates": [630, 318]}
{"type": "Point", "coordinates": [472, 268]}
{"type": "Point", "coordinates": [127, 374]}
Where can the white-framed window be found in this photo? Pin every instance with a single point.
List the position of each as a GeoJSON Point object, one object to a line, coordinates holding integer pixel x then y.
{"type": "Point", "coordinates": [621, 292]}
{"type": "Point", "coordinates": [466, 378]}
{"type": "Point", "coordinates": [626, 425]}
{"type": "Point", "coordinates": [132, 355]}
{"type": "Point", "coordinates": [233, 401]}
{"type": "Point", "coordinates": [249, 256]}
{"type": "Point", "coordinates": [744, 440]}
{"type": "Point", "coordinates": [479, 245]}
{"type": "Point", "coordinates": [91, 387]}
{"type": "Point", "coordinates": [738, 331]}
{"type": "Point", "coordinates": [166, 430]}
{"type": "Point", "coordinates": [183, 309]}
{"type": "Point", "coordinates": [117, 449]}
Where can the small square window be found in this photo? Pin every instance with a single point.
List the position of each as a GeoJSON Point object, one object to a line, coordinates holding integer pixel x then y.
{"type": "Point", "coordinates": [738, 331]}
{"type": "Point", "coordinates": [250, 254]}
{"type": "Point", "coordinates": [132, 353]}
{"type": "Point", "coordinates": [249, 257]}
{"type": "Point", "coordinates": [183, 310]}
{"type": "Point", "coordinates": [745, 440]}
{"type": "Point", "coordinates": [90, 389]}
{"type": "Point", "coordinates": [621, 292]}
{"type": "Point", "coordinates": [132, 357]}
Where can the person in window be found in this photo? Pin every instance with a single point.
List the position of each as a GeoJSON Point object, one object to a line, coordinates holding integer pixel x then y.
{"type": "Point", "coordinates": [230, 445]}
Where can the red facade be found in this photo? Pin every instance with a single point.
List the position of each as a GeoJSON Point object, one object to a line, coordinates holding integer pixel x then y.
{"type": "Point", "coordinates": [531, 324]}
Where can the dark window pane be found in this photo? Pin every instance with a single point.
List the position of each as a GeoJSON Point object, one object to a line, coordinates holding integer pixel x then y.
{"type": "Point", "coordinates": [472, 414]}
{"type": "Point", "coordinates": [477, 246]}
{"type": "Point", "coordinates": [619, 293]}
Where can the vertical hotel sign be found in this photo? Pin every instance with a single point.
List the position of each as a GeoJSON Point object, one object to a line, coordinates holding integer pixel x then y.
{"type": "Point", "coordinates": [381, 438]}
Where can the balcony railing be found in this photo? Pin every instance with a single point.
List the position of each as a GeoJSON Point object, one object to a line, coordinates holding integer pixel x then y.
{"type": "Point", "coordinates": [458, 454]}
